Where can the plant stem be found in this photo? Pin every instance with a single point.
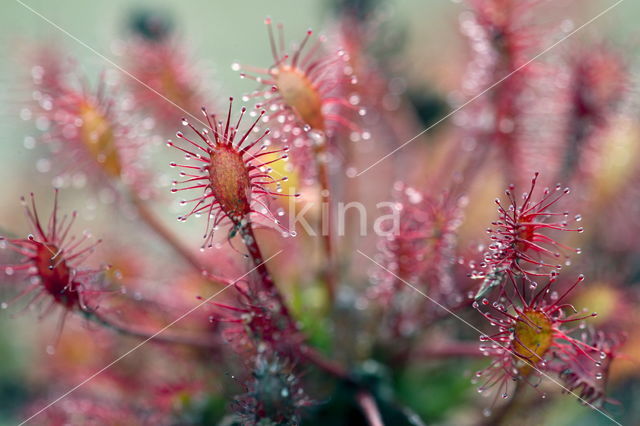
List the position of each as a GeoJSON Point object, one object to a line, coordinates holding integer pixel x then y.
{"type": "Point", "coordinates": [172, 241]}
{"type": "Point", "coordinates": [369, 408]}
{"type": "Point", "coordinates": [249, 238]}
{"type": "Point", "coordinates": [364, 398]}
{"type": "Point", "coordinates": [325, 197]}
{"type": "Point", "coordinates": [331, 367]}
{"type": "Point", "coordinates": [99, 318]}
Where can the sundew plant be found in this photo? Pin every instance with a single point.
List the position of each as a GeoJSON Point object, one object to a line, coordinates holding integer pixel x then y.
{"type": "Point", "coordinates": [408, 214]}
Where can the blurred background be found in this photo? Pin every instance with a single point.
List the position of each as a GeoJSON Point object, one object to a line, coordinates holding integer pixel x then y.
{"type": "Point", "coordinates": [424, 54]}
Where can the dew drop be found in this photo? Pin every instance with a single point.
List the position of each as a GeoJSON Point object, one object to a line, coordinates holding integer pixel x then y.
{"type": "Point", "coordinates": [29, 142]}
{"type": "Point", "coordinates": [4, 305]}
{"type": "Point", "coordinates": [486, 412]}
{"type": "Point", "coordinates": [9, 270]}
{"type": "Point", "coordinates": [599, 376]}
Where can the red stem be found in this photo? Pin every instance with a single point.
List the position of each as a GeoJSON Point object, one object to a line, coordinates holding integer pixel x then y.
{"type": "Point", "coordinates": [451, 349]}
{"type": "Point", "coordinates": [99, 318]}
{"type": "Point", "coordinates": [369, 408]}
{"type": "Point", "coordinates": [327, 237]}
{"type": "Point", "coordinates": [260, 266]}
{"type": "Point", "coordinates": [331, 367]}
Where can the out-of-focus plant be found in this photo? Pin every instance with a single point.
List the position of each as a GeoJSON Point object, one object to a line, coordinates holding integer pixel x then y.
{"type": "Point", "coordinates": [236, 335]}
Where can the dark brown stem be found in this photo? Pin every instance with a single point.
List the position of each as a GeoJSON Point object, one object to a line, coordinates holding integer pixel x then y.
{"type": "Point", "coordinates": [369, 408]}
{"type": "Point", "coordinates": [249, 238]}
{"type": "Point", "coordinates": [158, 227]}
{"type": "Point", "coordinates": [97, 317]}
{"type": "Point", "coordinates": [327, 232]}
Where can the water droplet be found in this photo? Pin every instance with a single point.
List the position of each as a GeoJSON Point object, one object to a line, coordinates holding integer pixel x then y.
{"type": "Point", "coordinates": [486, 412]}
{"type": "Point", "coordinates": [4, 305]}
{"type": "Point", "coordinates": [9, 270]}
{"type": "Point", "coordinates": [599, 376]}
